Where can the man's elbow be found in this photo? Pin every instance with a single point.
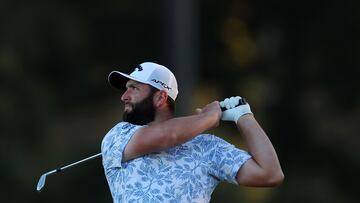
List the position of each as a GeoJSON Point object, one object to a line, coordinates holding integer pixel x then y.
{"type": "Point", "coordinates": [275, 179]}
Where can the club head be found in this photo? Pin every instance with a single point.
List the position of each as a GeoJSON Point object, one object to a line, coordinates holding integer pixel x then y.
{"type": "Point", "coordinates": [41, 182]}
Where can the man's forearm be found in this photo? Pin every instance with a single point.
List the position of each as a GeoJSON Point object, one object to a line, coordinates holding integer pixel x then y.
{"type": "Point", "coordinates": [166, 134]}
{"type": "Point", "coordinates": [181, 129]}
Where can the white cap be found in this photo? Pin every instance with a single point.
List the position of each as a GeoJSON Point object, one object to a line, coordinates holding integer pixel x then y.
{"type": "Point", "coordinates": [149, 73]}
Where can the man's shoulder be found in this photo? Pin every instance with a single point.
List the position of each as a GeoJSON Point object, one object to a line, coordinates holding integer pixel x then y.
{"type": "Point", "coordinates": [203, 146]}
{"type": "Point", "coordinates": [204, 140]}
{"type": "Point", "coordinates": [208, 141]}
{"type": "Point", "coordinates": [124, 127]}
{"type": "Point", "coordinates": [120, 129]}
{"type": "Point", "coordinates": [206, 137]}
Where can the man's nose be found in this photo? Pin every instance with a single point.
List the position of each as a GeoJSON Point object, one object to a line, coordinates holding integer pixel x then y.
{"type": "Point", "coordinates": [125, 96]}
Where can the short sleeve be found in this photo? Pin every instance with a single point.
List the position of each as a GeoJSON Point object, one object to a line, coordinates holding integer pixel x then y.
{"type": "Point", "coordinates": [225, 160]}
{"type": "Point", "coordinates": [114, 143]}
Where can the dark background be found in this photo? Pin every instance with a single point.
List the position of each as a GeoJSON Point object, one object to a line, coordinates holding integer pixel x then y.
{"type": "Point", "coordinates": [296, 62]}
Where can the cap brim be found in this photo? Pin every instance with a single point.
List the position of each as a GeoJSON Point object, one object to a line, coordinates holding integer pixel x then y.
{"type": "Point", "coordinates": [118, 79]}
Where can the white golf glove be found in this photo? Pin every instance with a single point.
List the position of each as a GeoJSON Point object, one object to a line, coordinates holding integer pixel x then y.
{"type": "Point", "coordinates": [234, 112]}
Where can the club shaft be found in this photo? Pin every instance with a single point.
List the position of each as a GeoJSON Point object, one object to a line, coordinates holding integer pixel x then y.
{"type": "Point", "coordinates": [78, 162]}
{"type": "Point", "coordinates": [75, 163]}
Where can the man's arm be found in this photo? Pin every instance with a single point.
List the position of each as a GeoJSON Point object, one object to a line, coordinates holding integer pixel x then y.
{"type": "Point", "coordinates": [172, 132]}
{"type": "Point", "coordinates": [263, 169]}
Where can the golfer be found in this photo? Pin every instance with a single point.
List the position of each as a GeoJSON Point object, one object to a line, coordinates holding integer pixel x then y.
{"type": "Point", "coordinates": [153, 156]}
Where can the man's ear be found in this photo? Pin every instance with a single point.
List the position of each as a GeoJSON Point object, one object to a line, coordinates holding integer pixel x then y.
{"type": "Point", "coordinates": [160, 98]}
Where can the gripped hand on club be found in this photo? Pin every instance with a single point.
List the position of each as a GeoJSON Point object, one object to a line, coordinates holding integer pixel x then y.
{"type": "Point", "coordinates": [233, 108]}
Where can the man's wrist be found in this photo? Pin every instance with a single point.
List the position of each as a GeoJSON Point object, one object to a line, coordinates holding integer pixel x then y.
{"type": "Point", "coordinates": [242, 120]}
{"type": "Point", "coordinates": [210, 117]}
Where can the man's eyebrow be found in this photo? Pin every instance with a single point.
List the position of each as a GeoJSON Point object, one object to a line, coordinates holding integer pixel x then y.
{"type": "Point", "coordinates": [131, 85]}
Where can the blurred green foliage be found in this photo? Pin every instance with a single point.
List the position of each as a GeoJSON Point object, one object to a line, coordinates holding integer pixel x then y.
{"type": "Point", "coordinates": [297, 63]}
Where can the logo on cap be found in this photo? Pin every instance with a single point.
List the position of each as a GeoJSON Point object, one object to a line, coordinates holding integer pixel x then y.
{"type": "Point", "coordinates": [161, 83]}
{"type": "Point", "coordinates": [139, 68]}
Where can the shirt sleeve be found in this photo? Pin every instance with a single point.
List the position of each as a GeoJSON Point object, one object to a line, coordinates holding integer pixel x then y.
{"type": "Point", "coordinates": [114, 143]}
{"type": "Point", "coordinates": [225, 160]}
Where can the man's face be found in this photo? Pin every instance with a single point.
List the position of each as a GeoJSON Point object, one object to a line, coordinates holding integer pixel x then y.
{"type": "Point", "coordinates": [138, 100]}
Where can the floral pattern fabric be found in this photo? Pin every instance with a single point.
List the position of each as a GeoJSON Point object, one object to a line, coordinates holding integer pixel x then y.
{"type": "Point", "coordinates": [186, 173]}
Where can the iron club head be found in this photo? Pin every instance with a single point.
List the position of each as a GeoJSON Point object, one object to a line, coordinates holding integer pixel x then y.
{"type": "Point", "coordinates": [41, 182]}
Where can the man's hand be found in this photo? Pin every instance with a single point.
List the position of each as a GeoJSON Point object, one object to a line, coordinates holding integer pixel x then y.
{"type": "Point", "coordinates": [234, 112]}
{"type": "Point", "coordinates": [212, 109]}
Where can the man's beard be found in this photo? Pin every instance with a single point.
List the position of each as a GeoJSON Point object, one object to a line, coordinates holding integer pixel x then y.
{"type": "Point", "coordinates": [142, 112]}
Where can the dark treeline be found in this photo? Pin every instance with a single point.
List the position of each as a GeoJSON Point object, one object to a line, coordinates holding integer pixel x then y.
{"type": "Point", "coordinates": [296, 62]}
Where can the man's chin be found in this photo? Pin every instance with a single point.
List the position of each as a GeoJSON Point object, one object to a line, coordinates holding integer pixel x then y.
{"type": "Point", "coordinates": [128, 109]}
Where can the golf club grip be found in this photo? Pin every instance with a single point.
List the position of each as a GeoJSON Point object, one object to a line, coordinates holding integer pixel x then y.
{"type": "Point", "coordinates": [242, 101]}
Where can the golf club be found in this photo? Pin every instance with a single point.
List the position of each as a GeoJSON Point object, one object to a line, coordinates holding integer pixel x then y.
{"type": "Point", "coordinates": [42, 179]}
{"type": "Point", "coordinates": [41, 182]}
